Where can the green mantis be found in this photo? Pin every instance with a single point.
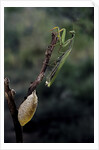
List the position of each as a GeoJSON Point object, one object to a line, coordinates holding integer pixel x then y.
{"type": "Point", "coordinates": [61, 60]}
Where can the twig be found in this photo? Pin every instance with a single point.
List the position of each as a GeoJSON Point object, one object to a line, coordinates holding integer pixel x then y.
{"type": "Point", "coordinates": [9, 94]}
{"type": "Point", "coordinates": [48, 53]}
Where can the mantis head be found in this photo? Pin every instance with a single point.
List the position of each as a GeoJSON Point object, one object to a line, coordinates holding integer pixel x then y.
{"type": "Point", "coordinates": [72, 32]}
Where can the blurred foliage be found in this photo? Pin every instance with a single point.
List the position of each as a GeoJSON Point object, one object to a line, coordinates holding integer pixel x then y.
{"type": "Point", "coordinates": [66, 109]}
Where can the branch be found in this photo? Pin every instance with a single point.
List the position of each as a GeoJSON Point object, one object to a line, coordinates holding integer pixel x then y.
{"type": "Point", "coordinates": [48, 53]}
{"type": "Point", "coordinates": [9, 94]}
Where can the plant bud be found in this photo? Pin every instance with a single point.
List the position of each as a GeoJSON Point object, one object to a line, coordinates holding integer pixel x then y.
{"type": "Point", "coordinates": [13, 92]}
{"type": "Point", "coordinates": [27, 108]}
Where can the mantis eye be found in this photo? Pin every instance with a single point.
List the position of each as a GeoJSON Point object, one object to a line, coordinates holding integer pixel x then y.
{"type": "Point", "coordinates": [27, 109]}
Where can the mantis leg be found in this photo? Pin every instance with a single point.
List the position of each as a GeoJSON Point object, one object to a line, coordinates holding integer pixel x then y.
{"type": "Point", "coordinates": [63, 36]}
{"type": "Point", "coordinates": [57, 31]}
{"type": "Point", "coordinates": [65, 43]}
{"type": "Point", "coordinates": [62, 41]}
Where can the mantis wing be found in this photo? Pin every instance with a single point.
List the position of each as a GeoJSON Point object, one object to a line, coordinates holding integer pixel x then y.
{"type": "Point", "coordinates": [57, 68]}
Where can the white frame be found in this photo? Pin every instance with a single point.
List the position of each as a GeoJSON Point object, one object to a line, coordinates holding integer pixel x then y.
{"type": "Point", "coordinates": [42, 3]}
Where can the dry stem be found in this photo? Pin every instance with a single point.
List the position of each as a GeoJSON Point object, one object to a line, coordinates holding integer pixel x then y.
{"type": "Point", "coordinates": [10, 93]}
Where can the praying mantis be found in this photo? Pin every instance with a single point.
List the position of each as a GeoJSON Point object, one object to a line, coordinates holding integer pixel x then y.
{"type": "Point", "coordinates": [61, 60]}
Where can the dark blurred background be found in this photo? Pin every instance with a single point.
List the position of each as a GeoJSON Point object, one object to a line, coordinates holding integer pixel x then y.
{"type": "Point", "coordinates": [65, 112]}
